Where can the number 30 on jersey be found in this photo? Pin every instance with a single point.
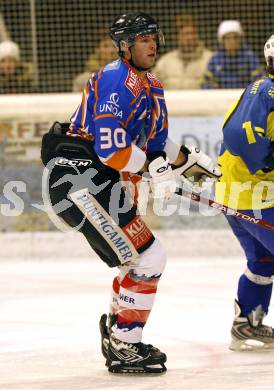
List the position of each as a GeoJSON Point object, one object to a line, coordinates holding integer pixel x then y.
{"type": "Point", "coordinates": [110, 138]}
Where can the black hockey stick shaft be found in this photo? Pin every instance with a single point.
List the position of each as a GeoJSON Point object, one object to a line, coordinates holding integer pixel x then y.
{"type": "Point", "coordinates": [224, 209]}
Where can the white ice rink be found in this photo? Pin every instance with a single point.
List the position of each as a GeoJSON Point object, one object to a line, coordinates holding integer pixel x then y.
{"type": "Point", "coordinates": [49, 336]}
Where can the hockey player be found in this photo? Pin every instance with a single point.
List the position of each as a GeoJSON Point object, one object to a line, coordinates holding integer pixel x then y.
{"type": "Point", "coordinates": [247, 165]}
{"type": "Point", "coordinates": [120, 129]}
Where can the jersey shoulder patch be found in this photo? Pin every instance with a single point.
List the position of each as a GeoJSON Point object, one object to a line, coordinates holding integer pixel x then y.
{"type": "Point", "coordinates": [268, 89]}
{"type": "Point", "coordinates": [133, 83]}
{"type": "Point", "coordinates": [257, 86]}
{"type": "Point", "coordinates": [112, 65]}
{"type": "Point", "coordinates": [154, 81]}
{"type": "Point", "coordinates": [271, 92]}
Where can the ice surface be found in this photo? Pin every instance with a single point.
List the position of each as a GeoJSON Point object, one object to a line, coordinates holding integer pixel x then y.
{"type": "Point", "coordinates": [49, 337]}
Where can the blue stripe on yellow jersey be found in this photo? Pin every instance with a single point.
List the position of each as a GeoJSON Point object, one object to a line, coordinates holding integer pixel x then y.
{"type": "Point", "coordinates": [119, 112]}
{"type": "Point", "coordinates": [248, 131]}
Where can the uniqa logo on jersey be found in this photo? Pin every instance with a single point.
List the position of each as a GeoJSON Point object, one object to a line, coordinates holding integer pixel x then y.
{"type": "Point", "coordinates": [112, 105]}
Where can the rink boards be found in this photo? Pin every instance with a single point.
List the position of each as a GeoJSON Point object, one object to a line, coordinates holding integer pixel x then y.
{"type": "Point", "coordinates": [58, 245]}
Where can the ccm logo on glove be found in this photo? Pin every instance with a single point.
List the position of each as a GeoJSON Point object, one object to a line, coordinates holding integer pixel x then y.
{"type": "Point", "coordinates": [162, 169]}
{"type": "Point", "coordinates": [163, 182]}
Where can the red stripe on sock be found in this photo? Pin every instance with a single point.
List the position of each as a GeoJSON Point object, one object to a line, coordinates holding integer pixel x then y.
{"type": "Point", "coordinates": [141, 286]}
{"type": "Point", "coordinates": [116, 285]}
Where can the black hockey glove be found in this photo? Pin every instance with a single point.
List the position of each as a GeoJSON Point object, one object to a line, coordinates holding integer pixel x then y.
{"type": "Point", "coordinates": [270, 161]}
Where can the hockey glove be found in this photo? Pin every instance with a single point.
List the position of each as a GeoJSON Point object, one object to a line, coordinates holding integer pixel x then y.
{"type": "Point", "coordinates": [163, 182]}
{"type": "Point", "coordinates": [270, 160]}
{"type": "Point", "coordinates": [198, 167]}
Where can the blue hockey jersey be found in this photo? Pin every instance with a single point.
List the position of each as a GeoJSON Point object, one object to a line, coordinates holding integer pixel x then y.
{"type": "Point", "coordinates": [125, 117]}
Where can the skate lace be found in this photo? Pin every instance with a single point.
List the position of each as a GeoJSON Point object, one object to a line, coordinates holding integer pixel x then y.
{"type": "Point", "coordinates": [123, 345]}
{"type": "Point", "coordinates": [264, 330]}
{"type": "Point", "coordinates": [132, 347]}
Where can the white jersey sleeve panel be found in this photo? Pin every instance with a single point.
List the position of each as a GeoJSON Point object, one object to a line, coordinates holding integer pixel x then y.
{"type": "Point", "coordinates": [136, 161]}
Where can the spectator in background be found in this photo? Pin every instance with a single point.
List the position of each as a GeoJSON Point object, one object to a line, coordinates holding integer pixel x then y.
{"type": "Point", "coordinates": [15, 75]}
{"type": "Point", "coordinates": [234, 65]}
{"type": "Point", "coordinates": [184, 67]}
{"type": "Point", "coordinates": [104, 53]}
{"type": "Point", "coordinates": [4, 34]}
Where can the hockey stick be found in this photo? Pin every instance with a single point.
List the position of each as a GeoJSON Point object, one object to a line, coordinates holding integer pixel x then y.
{"type": "Point", "coordinates": [224, 209]}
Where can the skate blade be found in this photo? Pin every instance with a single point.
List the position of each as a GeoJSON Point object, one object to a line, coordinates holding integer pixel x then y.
{"type": "Point", "coordinates": [130, 369]}
{"type": "Point", "coordinates": [250, 345]}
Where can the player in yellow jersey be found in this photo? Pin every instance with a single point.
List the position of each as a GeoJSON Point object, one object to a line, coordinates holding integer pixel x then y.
{"type": "Point", "coordinates": [247, 164]}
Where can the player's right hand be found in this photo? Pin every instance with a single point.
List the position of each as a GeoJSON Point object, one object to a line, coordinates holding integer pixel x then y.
{"type": "Point", "coordinates": [198, 168]}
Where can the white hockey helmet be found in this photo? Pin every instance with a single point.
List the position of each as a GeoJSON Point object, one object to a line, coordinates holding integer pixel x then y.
{"type": "Point", "coordinates": [269, 51]}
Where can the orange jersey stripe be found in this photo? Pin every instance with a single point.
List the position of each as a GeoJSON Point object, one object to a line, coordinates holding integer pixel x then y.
{"type": "Point", "coordinates": [130, 116]}
{"type": "Point", "coordinates": [109, 116]}
{"type": "Point", "coordinates": [96, 89]}
{"type": "Point", "coordinates": [81, 134]}
{"type": "Point", "coordinates": [104, 116]}
{"type": "Point", "coordinates": [84, 108]}
{"type": "Point", "coordinates": [87, 88]}
{"type": "Point", "coordinates": [120, 158]}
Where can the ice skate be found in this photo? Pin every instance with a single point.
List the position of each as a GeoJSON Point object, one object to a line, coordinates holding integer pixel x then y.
{"type": "Point", "coordinates": [136, 358]}
{"type": "Point", "coordinates": [104, 335]}
{"type": "Point", "coordinates": [248, 333]}
{"type": "Point", "coordinates": [104, 330]}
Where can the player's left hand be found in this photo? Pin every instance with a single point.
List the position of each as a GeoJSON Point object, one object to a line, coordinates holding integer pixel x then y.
{"type": "Point", "coordinates": [198, 168]}
{"type": "Point", "coordinates": [270, 160]}
{"type": "Point", "coordinates": [163, 182]}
